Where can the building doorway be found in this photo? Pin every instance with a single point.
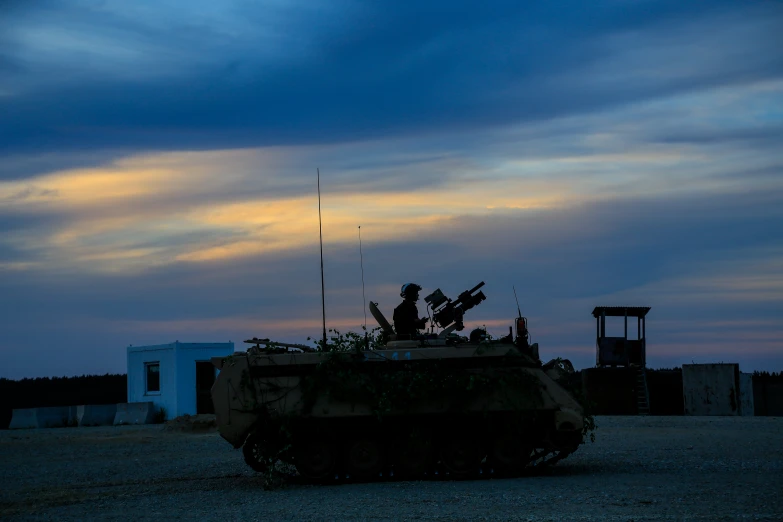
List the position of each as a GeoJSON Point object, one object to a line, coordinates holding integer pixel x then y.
{"type": "Point", "coordinates": [205, 378]}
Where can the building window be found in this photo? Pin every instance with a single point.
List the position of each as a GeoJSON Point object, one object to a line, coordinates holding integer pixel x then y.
{"type": "Point", "coordinates": [152, 377]}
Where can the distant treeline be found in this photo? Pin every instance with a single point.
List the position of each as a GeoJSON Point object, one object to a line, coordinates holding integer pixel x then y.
{"type": "Point", "coordinates": [768, 393]}
{"type": "Point", "coordinates": [767, 376]}
{"type": "Point", "coordinates": [60, 391]}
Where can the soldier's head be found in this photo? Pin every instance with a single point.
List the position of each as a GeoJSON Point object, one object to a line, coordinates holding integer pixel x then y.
{"type": "Point", "coordinates": [410, 292]}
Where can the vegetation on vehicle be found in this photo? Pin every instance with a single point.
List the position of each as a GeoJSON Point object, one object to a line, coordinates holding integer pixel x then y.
{"type": "Point", "coordinates": [343, 376]}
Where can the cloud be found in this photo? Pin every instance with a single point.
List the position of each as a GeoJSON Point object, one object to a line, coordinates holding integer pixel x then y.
{"type": "Point", "coordinates": [30, 193]}
{"type": "Point", "coordinates": [669, 253]}
{"type": "Point", "coordinates": [157, 171]}
{"type": "Point", "coordinates": [147, 210]}
{"type": "Point", "coordinates": [230, 77]}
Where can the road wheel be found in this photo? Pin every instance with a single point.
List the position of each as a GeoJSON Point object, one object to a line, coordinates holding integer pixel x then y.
{"type": "Point", "coordinates": [413, 458]}
{"type": "Point", "coordinates": [315, 459]}
{"type": "Point", "coordinates": [255, 452]}
{"type": "Point", "coordinates": [363, 459]}
{"type": "Point", "coordinates": [461, 457]}
{"type": "Point", "coordinates": [509, 454]}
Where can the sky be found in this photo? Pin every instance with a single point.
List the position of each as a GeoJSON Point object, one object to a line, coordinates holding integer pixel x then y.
{"type": "Point", "coordinates": [158, 172]}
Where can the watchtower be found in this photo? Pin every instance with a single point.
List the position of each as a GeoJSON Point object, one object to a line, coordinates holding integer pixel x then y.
{"type": "Point", "coordinates": [620, 351]}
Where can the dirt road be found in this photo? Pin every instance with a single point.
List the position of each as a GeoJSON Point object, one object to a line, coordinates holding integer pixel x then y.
{"type": "Point", "coordinates": [654, 468]}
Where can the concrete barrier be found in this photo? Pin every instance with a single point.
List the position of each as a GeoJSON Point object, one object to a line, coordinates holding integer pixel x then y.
{"type": "Point", "coordinates": [52, 417]}
{"type": "Point", "coordinates": [711, 389]}
{"type": "Point", "coordinates": [746, 394]}
{"type": "Point", "coordinates": [23, 419]}
{"type": "Point", "coordinates": [135, 413]}
{"type": "Point", "coordinates": [96, 414]}
{"type": "Point", "coordinates": [56, 416]}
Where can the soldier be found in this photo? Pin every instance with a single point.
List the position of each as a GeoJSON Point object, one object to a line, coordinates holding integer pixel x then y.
{"type": "Point", "coordinates": [406, 315]}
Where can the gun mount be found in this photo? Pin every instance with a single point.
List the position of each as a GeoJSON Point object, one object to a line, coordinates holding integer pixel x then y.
{"type": "Point", "coordinates": [276, 347]}
{"type": "Point", "coordinates": [448, 314]}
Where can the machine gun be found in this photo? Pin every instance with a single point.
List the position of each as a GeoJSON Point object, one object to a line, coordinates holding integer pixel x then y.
{"type": "Point", "coordinates": [448, 314]}
{"type": "Point", "coordinates": [275, 347]}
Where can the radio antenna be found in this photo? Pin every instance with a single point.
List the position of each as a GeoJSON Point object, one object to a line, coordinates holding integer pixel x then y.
{"type": "Point", "coordinates": [321, 237]}
{"type": "Point", "coordinates": [519, 312]}
{"type": "Point", "coordinates": [361, 262]}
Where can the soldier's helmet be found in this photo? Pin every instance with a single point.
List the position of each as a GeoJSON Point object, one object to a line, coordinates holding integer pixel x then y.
{"type": "Point", "coordinates": [410, 290]}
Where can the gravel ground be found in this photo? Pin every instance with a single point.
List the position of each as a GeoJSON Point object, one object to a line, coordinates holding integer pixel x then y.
{"type": "Point", "coordinates": [654, 468]}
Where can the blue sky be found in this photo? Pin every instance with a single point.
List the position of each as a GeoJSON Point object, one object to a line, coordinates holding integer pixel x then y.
{"type": "Point", "coordinates": [157, 171]}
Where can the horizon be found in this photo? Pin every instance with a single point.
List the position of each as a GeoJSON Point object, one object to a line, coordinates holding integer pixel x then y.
{"type": "Point", "coordinates": [158, 173]}
{"type": "Point", "coordinates": [673, 369]}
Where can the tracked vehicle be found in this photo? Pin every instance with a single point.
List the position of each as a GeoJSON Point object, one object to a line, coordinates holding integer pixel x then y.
{"type": "Point", "coordinates": [433, 406]}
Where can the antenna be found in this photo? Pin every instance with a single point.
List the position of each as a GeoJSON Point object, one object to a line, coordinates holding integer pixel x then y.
{"type": "Point", "coordinates": [519, 312]}
{"type": "Point", "coordinates": [361, 262]}
{"type": "Point", "coordinates": [321, 236]}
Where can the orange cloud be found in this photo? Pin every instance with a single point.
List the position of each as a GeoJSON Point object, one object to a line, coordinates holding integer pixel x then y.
{"type": "Point", "coordinates": [134, 212]}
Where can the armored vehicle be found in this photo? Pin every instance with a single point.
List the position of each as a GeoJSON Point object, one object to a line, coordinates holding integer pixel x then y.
{"type": "Point", "coordinates": [436, 405]}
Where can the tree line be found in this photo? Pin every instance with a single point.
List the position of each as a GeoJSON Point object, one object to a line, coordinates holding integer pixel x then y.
{"type": "Point", "coordinates": [768, 376]}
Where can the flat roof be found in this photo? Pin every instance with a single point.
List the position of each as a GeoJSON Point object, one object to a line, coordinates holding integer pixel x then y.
{"type": "Point", "coordinates": [621, 311]}
{"type": "Point", "coordinates": [176, 345]}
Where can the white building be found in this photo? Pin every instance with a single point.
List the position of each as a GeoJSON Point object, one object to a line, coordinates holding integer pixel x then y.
{"type": "Point", "coordinates": [177, 377]}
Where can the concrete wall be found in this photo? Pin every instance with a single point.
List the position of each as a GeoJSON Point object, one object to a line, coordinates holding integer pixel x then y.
{"type": "Point", "coordinates": [746, 394]}
{"type": "Point", "coordinates": [611, 390]}
{"type": "Point", "coordinates": [177, 373]}
{"type": "Point", "coordinates": [96, 415]}
{"type": "Point", "coordinates": [52, 417]}
{"type": "Point", "coordinates": [135, 413]}
{"type": "Point", "coordinates": [64, 416]}
{"type": "Point", "coordinates": [711, 389]}
{"type": "Point", "coordinates": [23, 418]}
